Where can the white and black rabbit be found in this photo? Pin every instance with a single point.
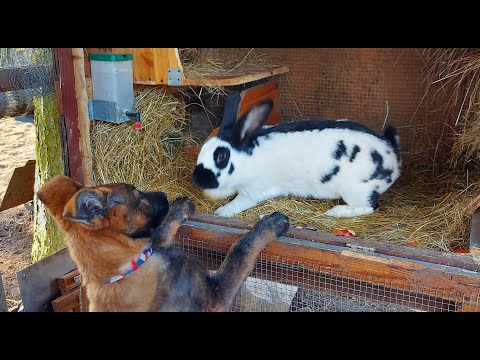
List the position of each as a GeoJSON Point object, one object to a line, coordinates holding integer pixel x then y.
{"type": "Point", "coordinates": [321, 159]}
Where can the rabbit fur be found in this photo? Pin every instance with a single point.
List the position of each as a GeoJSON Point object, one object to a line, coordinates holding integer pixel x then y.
{"type": "Point", "coordinates": [321, 159]}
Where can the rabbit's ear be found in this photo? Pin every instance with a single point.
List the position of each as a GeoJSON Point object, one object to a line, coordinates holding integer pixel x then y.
{"type": "Point", "coordinates": [229, 114]}
{"type": "Point", "coordinates": [246, 126]}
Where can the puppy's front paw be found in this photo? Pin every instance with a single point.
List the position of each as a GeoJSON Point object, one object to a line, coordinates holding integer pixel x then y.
{"type": "Point", "coordinates": [182, 208]}
{"type": "Point", "coordinates": [276, 222]}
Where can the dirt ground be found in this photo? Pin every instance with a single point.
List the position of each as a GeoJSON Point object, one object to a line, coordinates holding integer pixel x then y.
{"type": "Point", "coordinates": [17, 146]}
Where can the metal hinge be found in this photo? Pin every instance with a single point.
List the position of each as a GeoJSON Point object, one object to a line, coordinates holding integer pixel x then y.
{"type": "Point", "coordinates": [175, 76]}
{"type": "Point", "coordinates": [360, 248]}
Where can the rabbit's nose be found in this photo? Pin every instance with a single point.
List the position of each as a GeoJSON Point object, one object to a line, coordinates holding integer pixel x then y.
{"type": "Point", "coordinates": [204, 178]}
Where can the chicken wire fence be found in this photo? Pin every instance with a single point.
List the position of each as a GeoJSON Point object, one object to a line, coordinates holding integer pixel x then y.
{"type": "Point", "coordinates": [286, 284]}
{"type": "Point", "coordinates": [37, 77]}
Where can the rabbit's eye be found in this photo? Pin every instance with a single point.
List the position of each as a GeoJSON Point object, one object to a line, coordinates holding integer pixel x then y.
{"type": "Point", "coordinates": [221, 157]}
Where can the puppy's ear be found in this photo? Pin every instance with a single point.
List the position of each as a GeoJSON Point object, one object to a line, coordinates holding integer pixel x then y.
{"type": "Point", "coordinates": [56, 192]}
{"type": "Point", "coordinates": [86, 206]}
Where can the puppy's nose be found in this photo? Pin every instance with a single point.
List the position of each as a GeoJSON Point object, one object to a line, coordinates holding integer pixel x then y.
{"type": "Point", "coordinates": [159, 201]}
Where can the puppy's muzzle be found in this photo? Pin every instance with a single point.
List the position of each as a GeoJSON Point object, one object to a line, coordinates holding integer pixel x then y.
{"type": "Point", "coordinates": [159, 202]}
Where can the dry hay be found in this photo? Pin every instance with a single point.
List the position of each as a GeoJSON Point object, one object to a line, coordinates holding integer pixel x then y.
{"type": "Point", "coordinates": [457, 70]}
{"type": "Point", "coordinates": [196, 65]}
{"type": "Point", "coordinates": [151, 159]}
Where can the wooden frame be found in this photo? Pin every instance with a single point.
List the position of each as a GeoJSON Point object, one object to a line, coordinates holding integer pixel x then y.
{"type": "Point", "coordinates": [430, 271]}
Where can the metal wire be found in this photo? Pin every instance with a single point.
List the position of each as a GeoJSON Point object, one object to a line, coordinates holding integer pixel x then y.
{"type": "Point", "coordinates": [286, 284]}
{"type": "Point", "coordinates": [39, 73]}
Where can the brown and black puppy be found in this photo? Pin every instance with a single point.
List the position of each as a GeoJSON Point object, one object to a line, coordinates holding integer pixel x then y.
{"type": "Point", "coordinates": [122, 241]}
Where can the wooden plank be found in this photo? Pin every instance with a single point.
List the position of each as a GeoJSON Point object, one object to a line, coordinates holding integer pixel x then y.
{"type": "Point", "coordinates": [122, 50]}
{"type": "Point", "coordinates": [70, 112]}
{"type": "Point", "coordinates": [69, 281]}
{"type": "Point", "coordinates": [328, 282]}
{"type": "Point", "coordinates": [473, 205]}
{"type": "Point", "coordinates": [463, 261]}
{"type": "Point", "coordinates": [67, 302]}
{"type": "Point", "coordinates": [237, 79]}
{"type": "Point", "coordinates": [83, 117]}
{"type": "Point", "coordinates": [150, 65]}
{"type": "Point", "coordinates": [474, 246]}
{"type": "Point", "coordinates": [11, 77]}
{"type": "Point", "coordinates": [256, 94]}
{"type": "Point", "coordinates": [20, 187]}
{"type": "Point", "coordinates": [38, 282]}
{"type": "Point", "coordinates": [378, 267]}
{"type": "Point", "coordinates": [3, 297]}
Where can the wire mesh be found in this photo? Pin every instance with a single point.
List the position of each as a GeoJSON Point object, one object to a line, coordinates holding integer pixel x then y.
{"type": "Point", "coordinates": [286, 284]}
{"type": "Point", "coordinates": [374, 86]}
{"type": "Point", "coordinates": [38, 71]}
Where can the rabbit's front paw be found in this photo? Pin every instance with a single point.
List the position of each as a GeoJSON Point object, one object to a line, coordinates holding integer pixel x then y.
{"type": "Point", "coordinates": [224, 211]}
{"type": "Point", "coordinates": [346, 211]}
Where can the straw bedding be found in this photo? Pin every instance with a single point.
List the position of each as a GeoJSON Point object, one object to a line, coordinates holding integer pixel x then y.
{"type": "Point", "coordinates": [421, 209]}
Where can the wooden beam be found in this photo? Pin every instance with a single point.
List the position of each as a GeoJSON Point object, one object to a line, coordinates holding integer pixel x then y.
{"type": "Point", "coordinates": [69, 281]}
{"type": "Point", "coordinates": [67, 302]}
{"type": "Point", "coordinates": [237, 79]}
{"type": "Point", "coordinates": [463, 261]}
{"type": "Point", "coordinates": [83, 117]}
{"type": "Point", "coordinates": [70, 112]}
{"type": "Point", "coordinates": [428, 278]}
{"type": "Point", "coordinates": [328, 282]}
{"type": "Point", "coordinates": [12, 78]}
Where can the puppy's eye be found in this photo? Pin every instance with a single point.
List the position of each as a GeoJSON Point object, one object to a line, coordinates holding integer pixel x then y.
{"type": "Point", "coordinates": [221, 157]}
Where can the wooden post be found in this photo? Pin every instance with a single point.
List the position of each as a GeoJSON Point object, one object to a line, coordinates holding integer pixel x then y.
{"type": "Point", "coordinates": [83, 118]}
{"type": "Point", "coordinates": [47, 237]}
{"type": "Point", "coordinates": [69, 107]}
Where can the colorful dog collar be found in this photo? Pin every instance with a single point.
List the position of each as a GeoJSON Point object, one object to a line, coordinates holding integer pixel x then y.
{"type": "Point", "coordinates": [135, 264]}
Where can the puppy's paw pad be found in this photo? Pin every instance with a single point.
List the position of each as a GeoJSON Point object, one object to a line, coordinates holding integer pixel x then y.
{"type": "Point", "coordinates": [277, 222]}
